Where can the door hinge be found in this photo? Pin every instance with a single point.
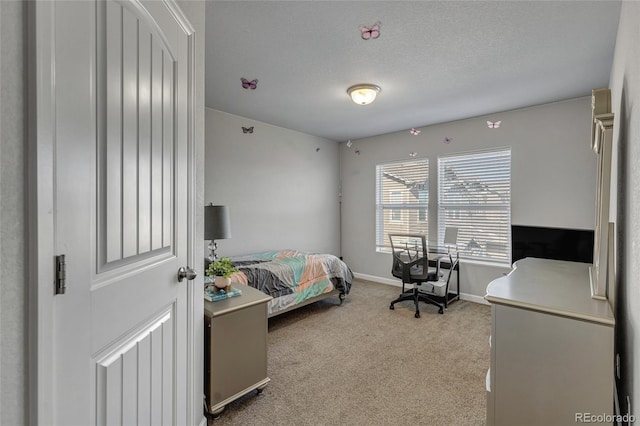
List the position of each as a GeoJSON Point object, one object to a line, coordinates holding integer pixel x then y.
{"type": "Point", "coordinates": [61, 275]}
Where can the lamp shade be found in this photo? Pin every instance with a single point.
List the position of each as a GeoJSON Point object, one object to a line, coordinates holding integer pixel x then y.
{"type": "Point", "coordinates": [216, 222]}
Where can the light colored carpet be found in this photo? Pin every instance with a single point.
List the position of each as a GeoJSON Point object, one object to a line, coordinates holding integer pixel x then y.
{"type": "Point", "coordinates": [361, 363]}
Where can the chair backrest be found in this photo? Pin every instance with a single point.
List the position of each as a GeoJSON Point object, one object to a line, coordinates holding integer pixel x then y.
{"type": "Point", "coordinates": [410, 245]}
{"type": "Point", "coordinates": [409, 252]}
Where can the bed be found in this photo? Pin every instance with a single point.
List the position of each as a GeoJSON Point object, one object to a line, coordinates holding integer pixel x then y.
{"type": "Point", "coordinates": [293, 278]}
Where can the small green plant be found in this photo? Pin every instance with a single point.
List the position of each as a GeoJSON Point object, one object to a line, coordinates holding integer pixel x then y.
{"type": "Point", "coordinates": [221, 268]}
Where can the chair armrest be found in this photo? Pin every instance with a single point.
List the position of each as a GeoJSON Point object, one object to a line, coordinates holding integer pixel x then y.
{"type": "Point", "coordinates": [438, 260]}
{"type": "Point", "coordinates": [448, 258]}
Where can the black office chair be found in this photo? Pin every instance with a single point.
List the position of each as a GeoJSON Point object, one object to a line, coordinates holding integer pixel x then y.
{"type": "Point", "coordinates": [411, 265]}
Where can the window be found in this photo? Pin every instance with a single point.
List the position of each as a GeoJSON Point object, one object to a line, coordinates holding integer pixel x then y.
{"type": "Point", "coordinates": [474, 194]}
{"type": "Point", "coordinates": [395, 198]}
{"type": "Point", "coordinates": [423, 197]}
{"type": "Point", "coordinates": [402, 200]}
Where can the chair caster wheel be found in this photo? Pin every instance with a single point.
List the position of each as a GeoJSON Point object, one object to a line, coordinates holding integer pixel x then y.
{"type": "Point", "coordinates": [417, 315]}
{"type": "Point", "coordinates": [391, 307]}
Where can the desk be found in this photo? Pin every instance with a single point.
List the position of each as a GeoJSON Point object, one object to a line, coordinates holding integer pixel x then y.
{"type": "Point", "coordinates": [551, 346]}
{"type": "Point", "coordinates": [439, 251]}
{"type": "Point", "coordinates": [235, 345]}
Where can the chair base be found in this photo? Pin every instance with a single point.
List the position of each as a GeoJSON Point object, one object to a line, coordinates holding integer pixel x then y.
{"type": "Point", "coordinates": [418, 297]}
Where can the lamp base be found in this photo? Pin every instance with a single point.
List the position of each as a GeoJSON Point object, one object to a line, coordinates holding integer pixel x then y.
{"type": "Point", "coordinates": [213, 246]}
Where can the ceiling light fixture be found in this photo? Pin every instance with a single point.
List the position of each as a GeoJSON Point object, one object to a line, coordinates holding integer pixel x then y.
{"type": "Point", "coordinates": [363, 94]}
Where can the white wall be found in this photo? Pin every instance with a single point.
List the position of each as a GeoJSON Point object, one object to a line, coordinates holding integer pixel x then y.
{"type": "Point", "coordinates": [282, 192]}
{"type": "Point", "coordinates": [13, 320]}
{"type": "Point", "coordinates": [553, 177]}
{"type": "Point", "coordinates": [625, 94]}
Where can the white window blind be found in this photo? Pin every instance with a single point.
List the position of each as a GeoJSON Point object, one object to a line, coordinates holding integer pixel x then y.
{"type": "Point", "coordinates": [474, 195]}
{"type": "Point", "coordinates": [402, 200]}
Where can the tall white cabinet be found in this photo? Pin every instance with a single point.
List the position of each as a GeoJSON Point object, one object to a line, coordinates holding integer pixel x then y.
{"type": "Point", "coordinates": [552, 355]}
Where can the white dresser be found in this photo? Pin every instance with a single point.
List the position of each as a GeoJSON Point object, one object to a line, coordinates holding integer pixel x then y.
{"type": "Point", "coordinates": [551, 346]}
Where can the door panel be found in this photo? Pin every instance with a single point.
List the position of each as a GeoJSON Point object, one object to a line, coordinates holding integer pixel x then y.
{"type": "Point", "coordinates": [130, 137]}
{"type": "Point", "coordinates": [132, 371]}
{"type": "Point", "coordinates": [121, 108]}
{"type": "Point", "coordinates": [137, 158]}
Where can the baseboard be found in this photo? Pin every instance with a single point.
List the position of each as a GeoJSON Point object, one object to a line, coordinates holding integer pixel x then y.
{"type": "Point", "coordinates": [389, 281]}
{"type": "Point", "coordinates": [474, 298]}
{"type": "Point", "coordinates": [396, 283]}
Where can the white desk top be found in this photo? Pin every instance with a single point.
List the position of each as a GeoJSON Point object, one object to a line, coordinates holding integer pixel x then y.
{"type": "Point", "coordinates": [553, 286]}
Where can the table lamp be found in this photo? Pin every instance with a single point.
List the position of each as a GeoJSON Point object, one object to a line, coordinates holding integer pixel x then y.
{"type": "Point", "coordinates": [216, 227]}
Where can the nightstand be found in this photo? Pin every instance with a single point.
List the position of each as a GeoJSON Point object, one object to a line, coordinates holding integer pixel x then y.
{"type": "Point", "coordinates": [235, 347]}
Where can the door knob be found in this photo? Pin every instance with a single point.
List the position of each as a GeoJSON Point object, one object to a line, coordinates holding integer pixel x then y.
{"type": "Point", "coordinates": [187, 273]}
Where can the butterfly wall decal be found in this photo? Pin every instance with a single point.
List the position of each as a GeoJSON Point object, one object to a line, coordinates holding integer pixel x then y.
{"type": "Point", "coordinates": [493, 124]}
{"type": "Point", "coordinates": [413, 154]}
{"type": "Point", "coordinates": [447, 140]}
{"type": "Point", "coordinates": [349, 143]}
{"type": "Point", "coordinates": [414, 132]}
{"type": "Point", "coordinates": [246, 84]}
{"type": "Point", "coordinates": [370, 33]}
{"type": "Point", "coordinates": [247, 129]}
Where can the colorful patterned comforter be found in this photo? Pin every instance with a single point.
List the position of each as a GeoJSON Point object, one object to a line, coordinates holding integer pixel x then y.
{"type": "Point", "coordinates": [292, 277]}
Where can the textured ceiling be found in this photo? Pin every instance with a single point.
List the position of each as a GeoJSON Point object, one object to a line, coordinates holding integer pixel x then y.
{"type": "Point", "coordinates": [436, 61]}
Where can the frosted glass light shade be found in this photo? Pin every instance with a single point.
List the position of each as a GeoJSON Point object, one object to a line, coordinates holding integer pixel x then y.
{"type": "Point", "coordinates": [363, 94]}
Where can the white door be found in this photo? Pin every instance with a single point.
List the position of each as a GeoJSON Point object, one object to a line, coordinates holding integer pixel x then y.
{"type": "Point", "coordinates": [118, 98]}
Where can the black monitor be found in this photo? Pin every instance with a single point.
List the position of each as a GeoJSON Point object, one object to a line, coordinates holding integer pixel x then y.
{"type": "Point", "coordinates": [575, 245]}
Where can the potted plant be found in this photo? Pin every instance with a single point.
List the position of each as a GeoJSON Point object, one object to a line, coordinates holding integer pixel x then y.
{"type": "Point", "coordinates": [222, 270]}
